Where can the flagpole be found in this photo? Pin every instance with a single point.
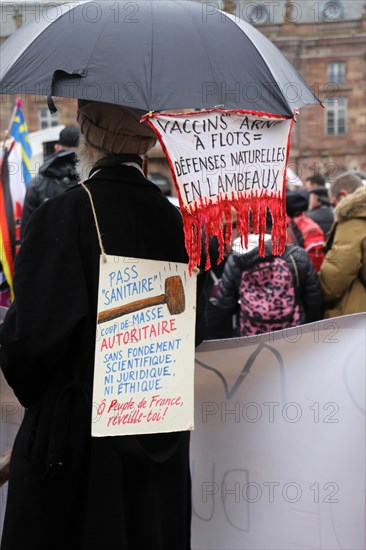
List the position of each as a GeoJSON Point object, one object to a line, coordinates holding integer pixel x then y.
{"type": "Point", "coordinates": [18, 103]}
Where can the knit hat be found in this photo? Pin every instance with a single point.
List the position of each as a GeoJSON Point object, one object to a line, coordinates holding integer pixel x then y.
{"type": "Point", "coordinates": [322, 193]}
{"type": "Point", "coordinates": [69, 136]}
{"type": "Point", "coordinates": [295, 203]}
{"type": "Point", "coordinates": [115, 128]}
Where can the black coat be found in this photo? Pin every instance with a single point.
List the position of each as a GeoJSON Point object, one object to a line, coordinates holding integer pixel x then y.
{"type": "Point", "coordinates": [55, 176]}
{"type": "Point", "coordinates": [323, 216]}
{"type": "Point", "coordinates": [68, 490]}
{"type": "Point", "coordinates": [219, 323]}
{"type": "Point", "coordinates": [307, 288]}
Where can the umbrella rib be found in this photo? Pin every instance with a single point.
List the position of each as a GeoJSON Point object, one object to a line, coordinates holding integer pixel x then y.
{"type": "Point", "coordinates": [28, 45]}
{"type": "Point", "coordinates": [97, 41]}
{"type": "Point", "coordinates": [201, 38]}
{"type": "Point", "coordinates": [152, 54]}
{"type": "Point", "coordinates": [262, 57]}
{"type": "Point", "coordinates": [253, 30]}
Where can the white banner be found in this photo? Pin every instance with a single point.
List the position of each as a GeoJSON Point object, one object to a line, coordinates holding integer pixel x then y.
{"type": "Point", "coordinates": [223, 160]}
{"type": "Point", "coordinates": [144, 353]}
{"type": "Point", "coordinates": [225, 154]}
{"type": "Point", "coordinates": [278, 452]}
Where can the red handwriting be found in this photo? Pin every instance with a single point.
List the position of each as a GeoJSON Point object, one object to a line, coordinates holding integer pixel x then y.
{"type": "Point", "coordinates": [120, 407]}
{"type": "Point", "coordinates": [156, 416]}
{"type": "Point", "coordinates": [129, 412]}
{"type": "Point", "coordinates": [157, 401]}
{"type": "Point", "coordinates": [134, 417]}
{"type": "Point", "coordinates": [137, 334]}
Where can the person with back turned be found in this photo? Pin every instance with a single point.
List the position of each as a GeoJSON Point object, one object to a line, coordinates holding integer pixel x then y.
{"type": "Point", "coordinates": [56, 175]}
{"type": "Point", "coordinates": [343, 273]}
{"type": "Point", "coordinates": [67, 489]}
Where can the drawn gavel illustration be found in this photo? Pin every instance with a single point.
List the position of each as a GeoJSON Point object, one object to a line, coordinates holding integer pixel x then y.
{"type": "Point", "coordinates": [174, 298]}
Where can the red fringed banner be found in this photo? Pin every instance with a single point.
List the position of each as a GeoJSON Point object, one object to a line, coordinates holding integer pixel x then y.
{"type": "Point", "coordinates": [223, 160]}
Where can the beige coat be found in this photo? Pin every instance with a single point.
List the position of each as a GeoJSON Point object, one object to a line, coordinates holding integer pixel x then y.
{"type": "Point", "coordinates": [344, 265]}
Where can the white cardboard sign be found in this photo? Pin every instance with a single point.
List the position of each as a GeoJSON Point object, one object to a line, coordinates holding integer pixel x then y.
{"type": "Point", "coordinates": [223, 160]}
{"type": "Point", "coordinates": [144, 351]}
{"type": "Point", "coordinates": [222, 155]}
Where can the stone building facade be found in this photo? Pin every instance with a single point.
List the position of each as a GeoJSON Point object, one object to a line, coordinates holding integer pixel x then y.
{"type": "Point", "coordinates": [324, 40]}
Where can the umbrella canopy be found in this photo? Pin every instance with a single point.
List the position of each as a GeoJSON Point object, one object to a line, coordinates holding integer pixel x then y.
{"type": "Point", "coordinates": [151, 55]}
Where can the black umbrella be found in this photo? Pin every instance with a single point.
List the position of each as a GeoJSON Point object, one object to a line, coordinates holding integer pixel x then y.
{"type": "Point", "coordinates": [151, 55]}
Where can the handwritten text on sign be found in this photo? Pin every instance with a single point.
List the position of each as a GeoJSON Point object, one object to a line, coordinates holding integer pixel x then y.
{"type": "Point", "coordinates": [222, 153]}
{"type": "Point", "coordinates": [144, 353]}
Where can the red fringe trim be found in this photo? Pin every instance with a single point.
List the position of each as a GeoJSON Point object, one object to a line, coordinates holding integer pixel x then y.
{"type": "Point", "coordinates": [217, 219]}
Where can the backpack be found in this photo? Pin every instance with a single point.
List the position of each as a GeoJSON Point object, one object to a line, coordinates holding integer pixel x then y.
{"type": "Point", "coordinates": [306, 233]}
{"type": "Point", "coordinates": [267, 297]}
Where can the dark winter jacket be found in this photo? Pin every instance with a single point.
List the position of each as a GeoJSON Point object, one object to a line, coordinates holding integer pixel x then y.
{"type": "Point", "coordinates": [219, 323]}
{"type": "Point", "coordinates": [55, 176]}
{"type": "Point", "coordinates": [67, 489]}
{"type": "Point", "coordinates": [308, 292]}
{"type": "Point", "coordinates": [323, 216]}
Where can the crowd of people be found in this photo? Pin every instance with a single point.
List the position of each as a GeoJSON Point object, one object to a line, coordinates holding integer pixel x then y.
{"type": "Point", "coordinates": [321, 274]}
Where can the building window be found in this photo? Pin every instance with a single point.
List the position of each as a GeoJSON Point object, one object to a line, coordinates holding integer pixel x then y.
{"type": "Point", "coordinates": [47, 119]}
{"type": "Point", "coordinates": [336, 73]}
{"type": "Point", "coordinates": [336, 116]}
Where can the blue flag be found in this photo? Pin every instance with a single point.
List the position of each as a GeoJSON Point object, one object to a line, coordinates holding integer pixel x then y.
{"type": "Point", "coordinates": [19, 132]}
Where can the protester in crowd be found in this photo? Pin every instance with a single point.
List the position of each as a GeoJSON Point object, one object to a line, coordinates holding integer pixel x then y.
{"type": "Point", "coordinates": [273, 292]}
{"type": "Point", "coordinates": [320, 209]}
{"type": "Point", "coordinates": [342, 186]}
{"type": "Point", "coordinates": [361, 175]}
{"type": "Point", "coordinates": [302, 230]}
{"type": "Point", "coordinates": [56, 175]}
{"type": "Point", "coordinates": [315, 181]}
{"type": "Point", "coordinates": [343, 272]}
{"type": "Point", "coordinates": [67, 489]}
